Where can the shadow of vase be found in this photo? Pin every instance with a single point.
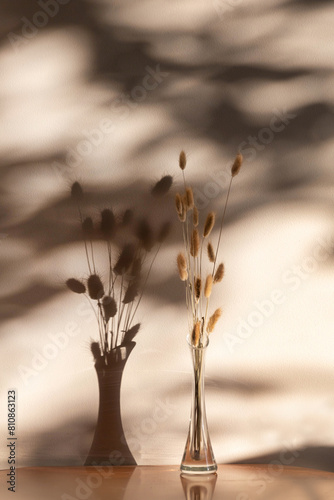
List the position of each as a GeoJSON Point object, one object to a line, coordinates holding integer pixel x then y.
{"type": "Point", "coordinates": [109, 446]}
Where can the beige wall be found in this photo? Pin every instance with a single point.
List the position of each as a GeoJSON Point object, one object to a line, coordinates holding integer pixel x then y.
{"type": "Point", "coordinates": [230, 73]}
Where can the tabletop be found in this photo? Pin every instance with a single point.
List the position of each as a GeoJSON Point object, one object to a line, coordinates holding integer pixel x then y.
{"type": "Point", "coordinates": [233, 482]}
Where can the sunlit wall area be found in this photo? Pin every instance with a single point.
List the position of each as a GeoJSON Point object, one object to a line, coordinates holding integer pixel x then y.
{"type": "Point", "coordinates": [108, 93]}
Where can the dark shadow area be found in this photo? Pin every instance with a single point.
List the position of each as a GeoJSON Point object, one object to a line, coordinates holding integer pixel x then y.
{"type": "Point", "coordinates": [301, 4]}
{"type": "Point", "coordinates": [251, 73]}
{"type": "Point", "coordinates": [109, 446]}
{"type": "Point", "coordinates": [35, 294]}
{"type": "Point", "coordinates": [75, 436]}
{"type": "Point", "coordinates": [312, 457]}
{"type": "Point", "coordinates": [224, 386]}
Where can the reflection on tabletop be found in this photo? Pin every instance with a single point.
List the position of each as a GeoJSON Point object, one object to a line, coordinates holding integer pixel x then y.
{"type": "Point", "coordinates": [197, 487]}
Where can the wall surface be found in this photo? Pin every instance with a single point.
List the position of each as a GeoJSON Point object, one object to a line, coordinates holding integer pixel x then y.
{"type": "Point", "coordinates": [108, 93]}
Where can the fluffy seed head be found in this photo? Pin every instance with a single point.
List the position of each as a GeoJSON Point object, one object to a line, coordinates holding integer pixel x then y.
{"type": "Point", "coordinates": [236, 165]}
{"type": "Point", "coordinates": [182, 266]}
{"type": "Point", "coordinates": [196, 333]}
{"type": "Point", "coordinates": [75, 286]}
{"type": "Point", "coordinates": [194, 243]}
{"type": "Point", "coordinates": [209, 223]}
{"type": "Point", "coordinates": [219, 274]}
{"type": "Point", "coordinates": [190, 198]}
{"type": "Point", "coordinates": [181, 261]}
{"type": "Point", "coordinates": [184, 201]}
{"type": "Point", "coordinates": [208, 286]}
{"type": "Point", "coordinates": [198, 288]}
{"type": "Point", "coordinates": [183, 213]}
{"type": "Point", "coordinates": [182, 160]}
{"type": "Point", "coordinates": [178, 204]}
{"type": "Point", "coordinates": [183, 274]}
{"type": "Point", "coordinates": [211, 253]}
{"type": "Point", "coordinates": [95, 287]}
{"type": "Point", "coordinates": [213, 320]}
{"type": "Point", "coordinates": [195, 216]}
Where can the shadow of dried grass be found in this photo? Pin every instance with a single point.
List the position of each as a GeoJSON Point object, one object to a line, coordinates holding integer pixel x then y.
{"type": "Point", "coordinates": [121, 53]}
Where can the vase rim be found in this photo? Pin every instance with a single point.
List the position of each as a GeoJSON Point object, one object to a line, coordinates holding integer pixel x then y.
{"type": "Point", "coordinates": [198, 347]}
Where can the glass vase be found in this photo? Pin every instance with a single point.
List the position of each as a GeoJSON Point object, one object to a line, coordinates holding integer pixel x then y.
{"type": "Point", "coordinates": [109, 445]}
{"type": "Point", "coordinates": [198, 457]}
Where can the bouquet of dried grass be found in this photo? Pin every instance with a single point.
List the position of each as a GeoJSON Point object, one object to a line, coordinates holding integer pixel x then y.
{"type": "Point", "coordinates": [116, 298]}
{"type": "Point", "coordinates": [190, 266]}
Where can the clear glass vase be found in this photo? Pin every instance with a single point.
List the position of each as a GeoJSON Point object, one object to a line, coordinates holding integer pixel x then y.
{"type": "Point", "coordinates": [198, 457]}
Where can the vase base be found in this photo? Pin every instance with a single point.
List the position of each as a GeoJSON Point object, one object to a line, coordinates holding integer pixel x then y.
{"type": "Point", "coordinates": [198, 469]}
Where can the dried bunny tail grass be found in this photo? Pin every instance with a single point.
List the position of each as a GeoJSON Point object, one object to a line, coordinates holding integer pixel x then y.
{"type": "Point", "coordinates": [213, 320]}
{"type": "Point", "coordinates": [109, 307]}
{"type": "Point", "coordinates": [209, 223]}
{"type": "Point", "coordinates": [219, 274]}
{"type": "Point", "coordinates": [180, 207]}
{"type": "Point", "coordinates": [198, 288]}
{"type": "Point", "coordinates": [164, 231]}
{"type": "Point", "coordinates": [183, 212]}
{"type": "Point", "coordinates": [194, 243]}
{"type": "Point", "coordinates": [211, 253]}
{"type": "Point", "coordinates": [76, 191]}
{"type": "Point", "coordinates": [163, 186]}
{"type": "Point", "coordinates": [183, 274]}
{"type": "Point", "coordinates": [208, 286]}
{"type": "Point", "coordinates": [237, 165]}
{"type": "Point", "coordinates": [190, 198]}
{"type": "Point", "coordinates": [178, 204]}
{"type": "Point", "coordinates": [183, 216]}
{"type": "Point", "coordinates": [75, 286]}
{"type": "Point", "coordinates": [196, 333]}
{"type": "Point", "coordinates": [181, 261]}
{"type": "Point", "coordinates": [185, 201]}
{"type": "Point", "coordinates": [182, 266]}
{"type": "Point", "coordinates": [195, 216]}
{"type": "Point", "coordinates": [95, 287]}
{"type": "Point", "coordinates": [182, 160]}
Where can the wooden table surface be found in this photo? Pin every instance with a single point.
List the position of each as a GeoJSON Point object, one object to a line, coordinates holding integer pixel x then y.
{"type": "Point", "coordinates": [233, 482]}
